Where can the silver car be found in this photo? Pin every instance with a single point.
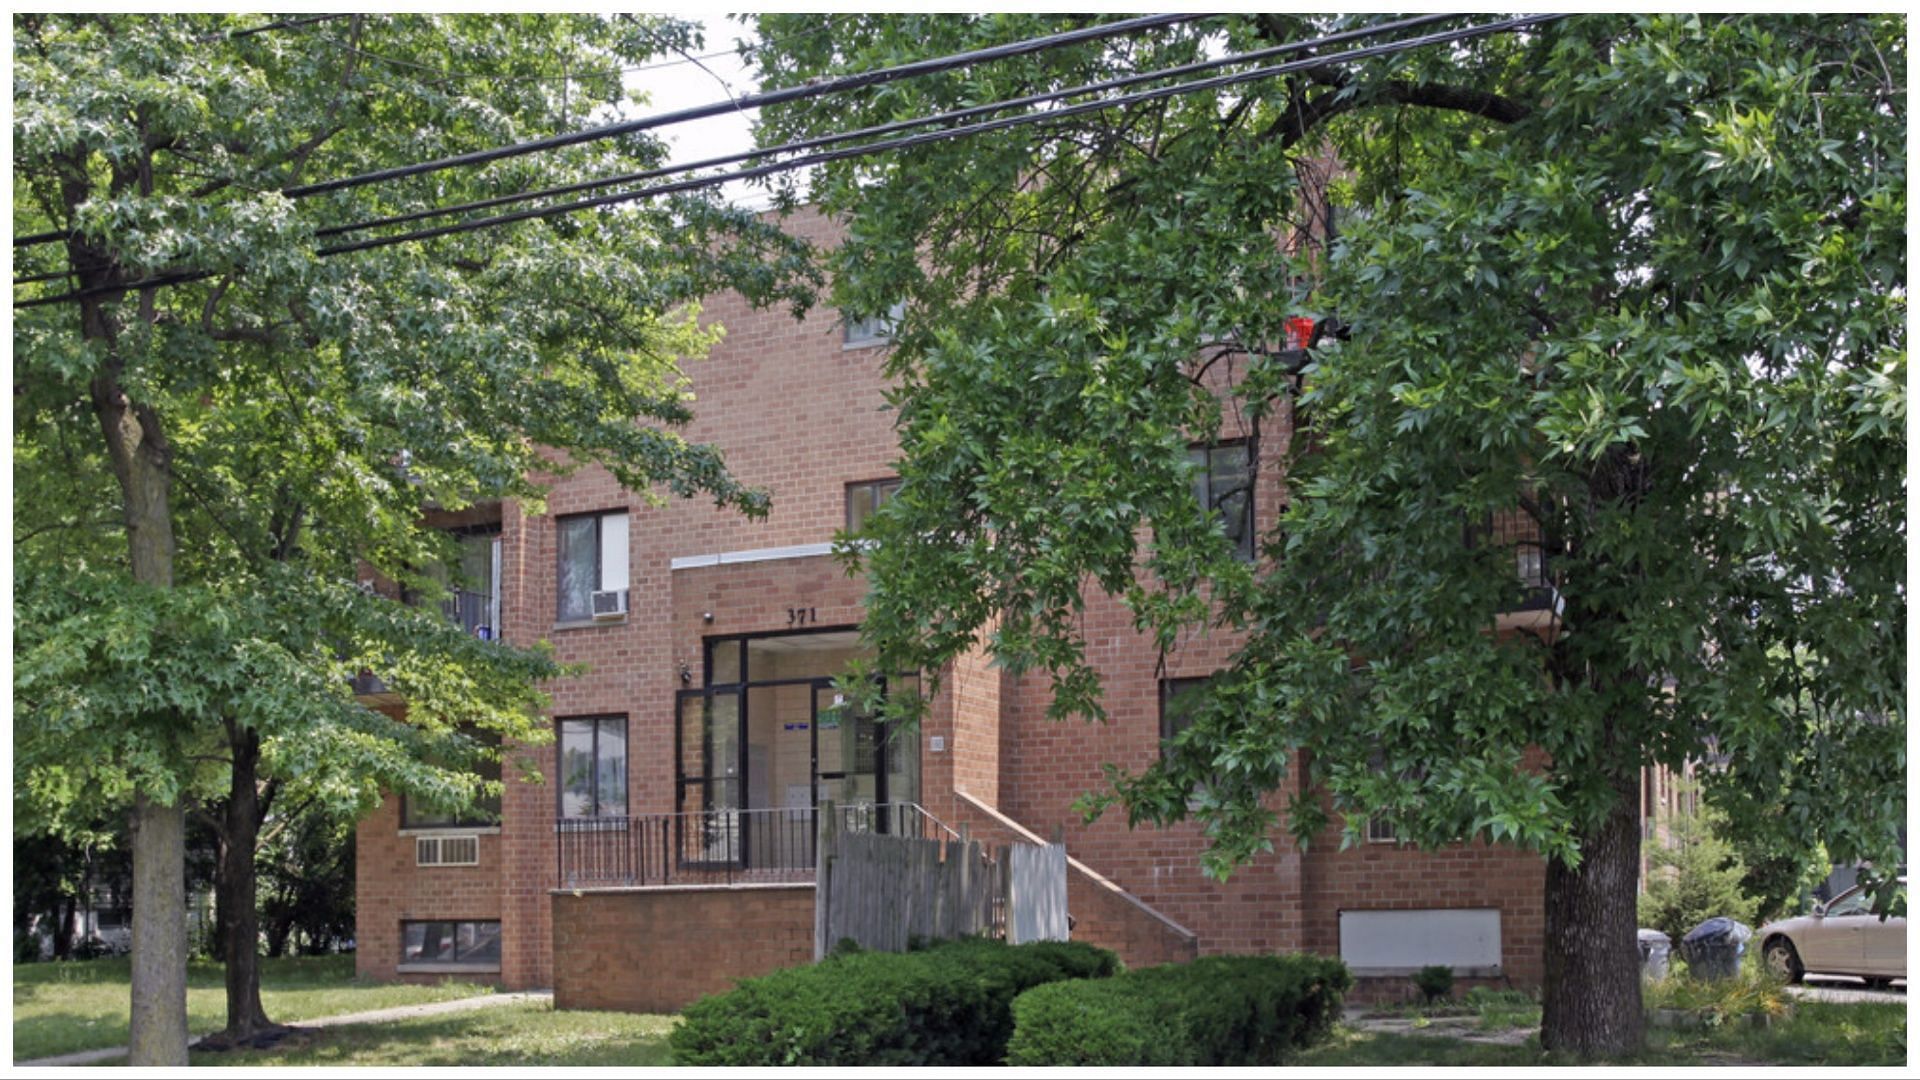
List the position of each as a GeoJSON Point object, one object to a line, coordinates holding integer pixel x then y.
{"type": "Point", "coordinates": [1843, 937]}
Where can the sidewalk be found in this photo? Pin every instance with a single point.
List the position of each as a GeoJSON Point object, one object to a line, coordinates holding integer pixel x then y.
{"type": "Point", "coordinates": [373, 1016]}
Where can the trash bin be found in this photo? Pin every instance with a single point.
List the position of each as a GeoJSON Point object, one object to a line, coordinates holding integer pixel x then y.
{"type": "Point", "coordinates": [1713, 949]}
{"type": "Point", "coordinates": [1654, 950]}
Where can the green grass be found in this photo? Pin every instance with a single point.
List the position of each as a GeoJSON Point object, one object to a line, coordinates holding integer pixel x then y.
{"type": "Point", "coordinates": [526, 1035]}
{"type": "Point", "coordinates": [59, 1008]}
{"type": "Point", "coordinates": [1818, 1033]}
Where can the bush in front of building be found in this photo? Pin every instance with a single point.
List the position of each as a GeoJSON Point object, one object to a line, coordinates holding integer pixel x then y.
{"type": "Point", "coordinates": [948, 1004]}
{"type": "Point", "coordinates": [1218, 1010]}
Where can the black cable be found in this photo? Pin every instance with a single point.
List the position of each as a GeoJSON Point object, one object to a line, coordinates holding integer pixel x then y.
{"type": "Point", "coordinates": [887, 128]}
{"type": "Point", "coordinates": [907, 142]}
{"type": "Point", "coordinates": [911, 141]}
{"type": "Point", "coordinates": [288, 24]}
{"type": "Point", "coordinates": [839, 85]}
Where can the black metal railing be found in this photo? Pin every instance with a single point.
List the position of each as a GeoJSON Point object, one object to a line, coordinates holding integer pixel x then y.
{"type": "Point", "coordinates": [716, 847]}
{"type": "Point", "coordinates": [1516, 532]}
{"type": "Point", "coordinates": [472, 612]}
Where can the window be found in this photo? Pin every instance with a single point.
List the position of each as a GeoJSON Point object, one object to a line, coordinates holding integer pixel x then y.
{"type": "Point", "coordinates": [1179, 698]}
{"type": "Point", "coordinates": [866, 497]}
{"type": "Point", "coordinates": [593, 565]}
{"type": "Point", "coordinates": [1223, 484]}
{"type": "Point", "coordinates": [1857, 902]}
{"type": "Point", "coordinates": [473, 600]}
{"type": "Point", "coordinates": [874, 329]}
{"type": "Point", "coordinates": [593, 767]}
{"type": "Point", "coordinates": [473, 943]}
{"type": "Point", "coordinates": [483, 813]}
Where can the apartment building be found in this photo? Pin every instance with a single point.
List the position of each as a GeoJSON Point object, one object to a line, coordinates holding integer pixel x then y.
{"type": "Point", "coordinates": [667, 849]}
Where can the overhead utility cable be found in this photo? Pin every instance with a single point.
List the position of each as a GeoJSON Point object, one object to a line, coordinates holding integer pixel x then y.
{"type": "Point", "coordinates": [907, 142]}
{"type": "Point", "coordinates": [881, 129]}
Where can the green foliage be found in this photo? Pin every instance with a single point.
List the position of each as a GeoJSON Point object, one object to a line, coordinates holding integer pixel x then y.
{"type": "Point", "coordinates": [1720, 1001]}
{"type": "Point", "coordinates": [1435, 981]}
{"type": "Point", "coordinates": [946, 1005]}
{"type": "Point", "coordinates": [306, 881]}
{"type": "Point", "coordinates": [1218, 1010]}
{"type": "Point", "coordinates": [316, 414]}
{"type": "Point", "coordinates": [1639, 280]}
{"type": "Point", "coordinates": [1694, 875]}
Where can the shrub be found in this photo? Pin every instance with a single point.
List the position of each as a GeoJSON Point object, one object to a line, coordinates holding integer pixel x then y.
{"type": "Point", "coordinates": [950, 1004]}
{"type": "Point", "coordinates": [1434, 982]}
{"type": "Point", "coordinates": [1218, 1010]}
{"type": "Point", "coordinates": [1694, 876]}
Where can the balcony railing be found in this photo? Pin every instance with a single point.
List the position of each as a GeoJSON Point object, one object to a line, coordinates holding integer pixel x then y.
{"type": "Point", "coordinates": [1520, 534]}
{"type": "Point", "coordinates": [716, 847]}
{"type": "Point", "coordinates": [473, 612]}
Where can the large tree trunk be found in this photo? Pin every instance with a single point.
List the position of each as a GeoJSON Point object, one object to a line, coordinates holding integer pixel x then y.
{"type": "Point", "coordinates": [158, 1025]}
{"type": "Point", "coordinates": [1592, 1006]}
{"type": "Point", "coordinates": [137, 449]}
{"type": "Point", "coordinates": [63, 913]}
{"type": "Point", "coordinates": [234, 888]}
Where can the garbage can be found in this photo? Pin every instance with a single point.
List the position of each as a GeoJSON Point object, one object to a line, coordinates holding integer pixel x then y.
{"type": "Point", "coordinates": [1655, 947]}
{"type": "Point", "coordinates": [1713, 949]}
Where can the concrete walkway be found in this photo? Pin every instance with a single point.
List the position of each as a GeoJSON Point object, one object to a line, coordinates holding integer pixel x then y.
{"type": "Point", "coordinates": [372, 1016]}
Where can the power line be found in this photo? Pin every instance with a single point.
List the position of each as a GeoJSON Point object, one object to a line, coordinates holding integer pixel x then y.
{"type": "Point", "coordinates": [911, 141]}
{"type": "Point", "coordinates": [904, 143]}
{"type": "Point", "coordinates": [891, 127]}
{"type": "Point", "coordinates": [839, 85]}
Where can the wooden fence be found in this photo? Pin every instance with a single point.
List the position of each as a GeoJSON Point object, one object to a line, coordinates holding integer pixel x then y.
{"type": "Point", "coordinates": [882, 890]}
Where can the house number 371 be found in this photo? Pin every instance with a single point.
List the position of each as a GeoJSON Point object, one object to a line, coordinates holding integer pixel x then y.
{"type": "Point", "coordinates": [801, 616]}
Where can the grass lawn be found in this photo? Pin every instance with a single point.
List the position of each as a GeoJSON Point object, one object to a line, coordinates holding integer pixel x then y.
{"type": "Point", "coordinates": [1818, 1033]}
{"type": "Point", "coordinates": [526, 1035]}
{"type": "Point", "coordinates": [59, 1008]}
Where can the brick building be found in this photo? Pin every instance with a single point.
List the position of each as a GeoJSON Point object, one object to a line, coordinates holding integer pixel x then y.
{"type": "Point", "coordinates": [709, 650]}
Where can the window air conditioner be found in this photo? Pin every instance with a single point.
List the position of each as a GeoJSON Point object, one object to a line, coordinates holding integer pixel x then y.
{"type": "Point", "coordinates": [611, 604]}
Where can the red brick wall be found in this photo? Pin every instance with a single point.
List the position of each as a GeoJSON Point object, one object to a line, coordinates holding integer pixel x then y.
{"type": "Point", "coordinates": [1102, 914]}
{"type": "Point", "coordinates": [659, 950]}
{"type": "Point", "coordinates": [391, 888]}
{"type": "Point", "coordinates": [801, 416]}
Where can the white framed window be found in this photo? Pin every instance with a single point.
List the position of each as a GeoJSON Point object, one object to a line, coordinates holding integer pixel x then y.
{"type": "Point", "coordinates": [867, 496]}
{"type": "Point", "coordinates": [874, 329]}
{"type": "Point", "coordinates": [592, 561]}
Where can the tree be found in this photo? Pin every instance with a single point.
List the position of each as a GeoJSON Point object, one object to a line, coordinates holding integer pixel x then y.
{"type": "Point", "coordinates": [260, 433]}
{"type": "Point", "coordinates": [1638, 281]}
{"type": "Point", "coordinates": [1694, 874]}
{"type": "Point", "coordinates": [306, 886]}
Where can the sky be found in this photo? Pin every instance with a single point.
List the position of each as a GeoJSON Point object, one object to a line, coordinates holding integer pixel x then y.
{"type": "Point", "coordinates": [684, 85]}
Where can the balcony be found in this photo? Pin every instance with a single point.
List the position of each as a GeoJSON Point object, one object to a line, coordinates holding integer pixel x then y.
{"type": "Point", "coordinates": [717, 847]}
{"type": "Point", "coordinates": [1534, 601]}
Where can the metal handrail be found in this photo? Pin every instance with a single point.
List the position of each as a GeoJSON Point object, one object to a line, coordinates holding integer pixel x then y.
{"type": "Point", "coordinates": [719, 846]}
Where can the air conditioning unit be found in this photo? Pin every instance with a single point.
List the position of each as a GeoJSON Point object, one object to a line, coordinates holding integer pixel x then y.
{"type": "Point", "coordinates": [446, 851]}
{"type": "Point", "coordinates": [611, 604]}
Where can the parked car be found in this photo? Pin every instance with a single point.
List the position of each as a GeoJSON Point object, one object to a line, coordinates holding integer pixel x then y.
{"type": "Point", "coordinates": [1843, 937]}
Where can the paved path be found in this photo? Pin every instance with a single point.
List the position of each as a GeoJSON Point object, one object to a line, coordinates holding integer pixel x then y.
{"type": "Point", "coordinates": [1847, 991]}
{"type": "Point", "coordinates": [372, 1016]}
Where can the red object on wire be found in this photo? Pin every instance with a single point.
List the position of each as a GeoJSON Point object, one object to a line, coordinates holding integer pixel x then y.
{"type": "Point", "coordinates": [1299, 332]}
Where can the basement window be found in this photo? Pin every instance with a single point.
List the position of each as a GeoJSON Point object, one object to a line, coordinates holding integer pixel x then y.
{"type": "Point", "coordinates": [468, 945]}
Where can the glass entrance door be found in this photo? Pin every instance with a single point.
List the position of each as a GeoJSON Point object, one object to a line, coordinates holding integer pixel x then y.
{"type": "Point", "coordinates": [847, 752]}
{"type": "Point", "coordinates": [708, 740]}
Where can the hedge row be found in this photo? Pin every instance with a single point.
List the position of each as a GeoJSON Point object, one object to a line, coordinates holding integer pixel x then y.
{"type": "Point", "coordinates": [1218, 1010]}
{"type": "Point", "coordinates": [950, 1004]}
